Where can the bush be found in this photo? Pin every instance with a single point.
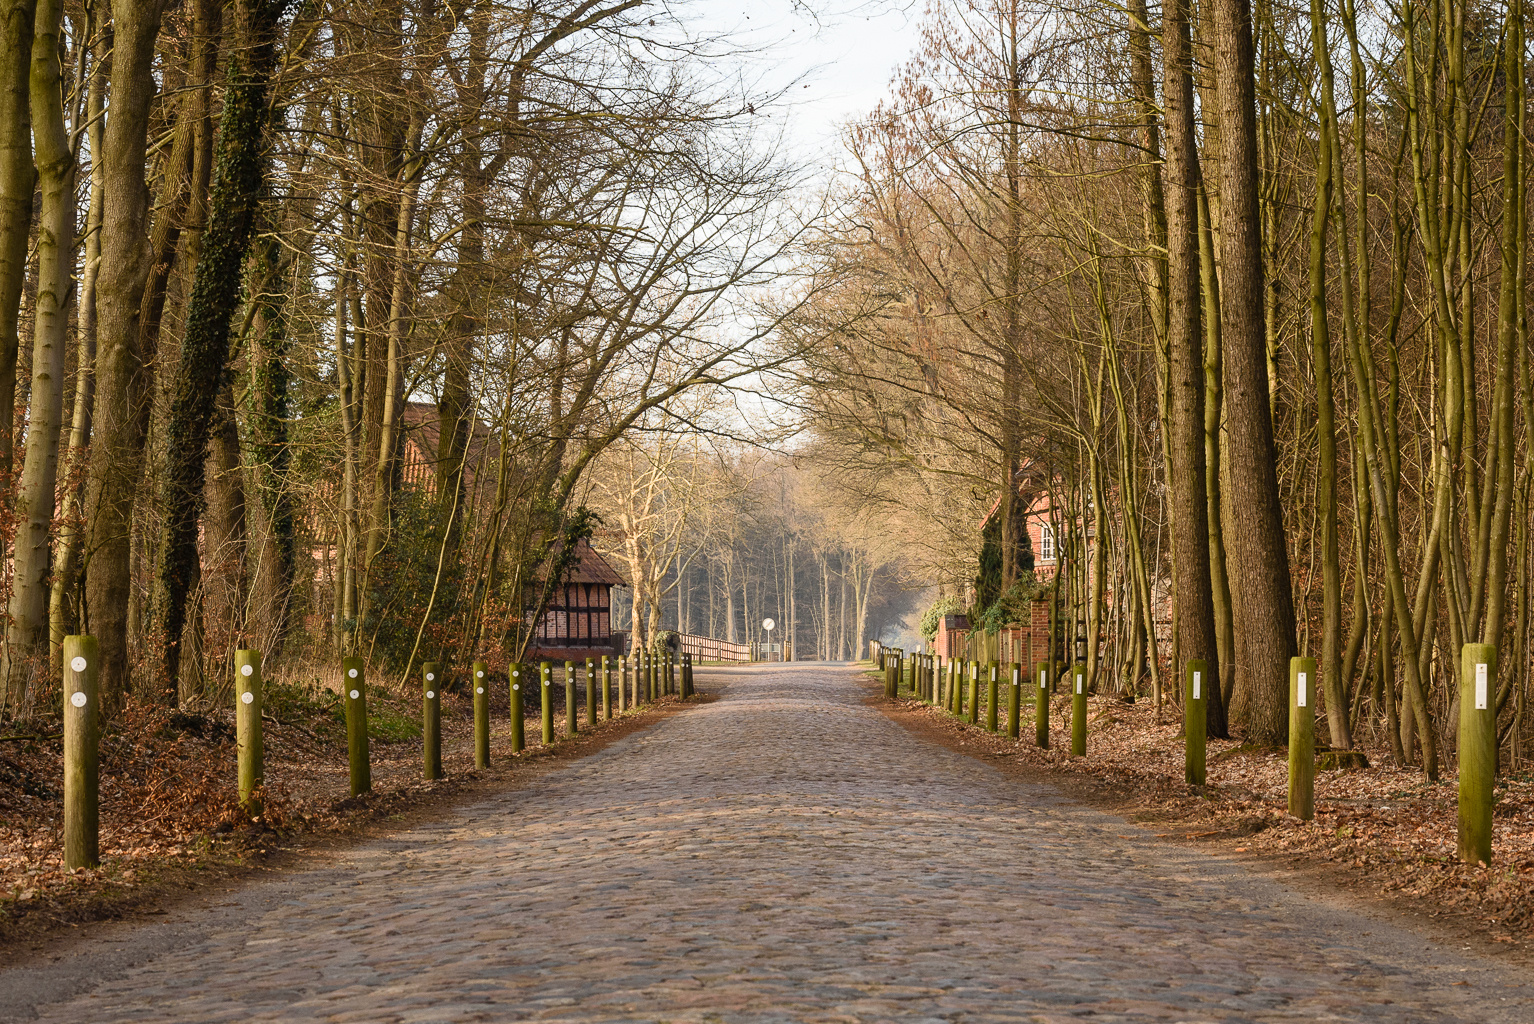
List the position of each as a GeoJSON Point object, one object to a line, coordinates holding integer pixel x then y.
{"type": "Point", "coordinates": [943, 606]}
{"type": "Point", "coordinates": [1012, 606]}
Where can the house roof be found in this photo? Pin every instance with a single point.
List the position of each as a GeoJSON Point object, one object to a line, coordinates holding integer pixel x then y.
{"type": "Point", "coordinates": [421, 424]}
{"type": "Point", "coordinates": [590, 567]}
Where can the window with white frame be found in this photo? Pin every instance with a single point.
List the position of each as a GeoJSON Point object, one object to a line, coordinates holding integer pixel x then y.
{"type": "Point", "coordinates": [1046, 542]}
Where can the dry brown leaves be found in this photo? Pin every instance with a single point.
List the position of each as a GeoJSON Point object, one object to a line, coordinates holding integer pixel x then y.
{"type": "Point", "coordinates": [1386, 828]}
{"type": "Point", "coordinates": [169, 801]}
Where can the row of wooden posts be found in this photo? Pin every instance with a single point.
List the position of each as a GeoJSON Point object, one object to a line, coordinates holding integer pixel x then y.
{"type": "Point", "coordinates": [616, 683]}
{"type": "Point", "coordinates": [955, 686]}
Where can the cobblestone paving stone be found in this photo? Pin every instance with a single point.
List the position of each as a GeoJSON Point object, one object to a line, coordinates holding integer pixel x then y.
{"type": "Point", "coordinates": [788, 854]}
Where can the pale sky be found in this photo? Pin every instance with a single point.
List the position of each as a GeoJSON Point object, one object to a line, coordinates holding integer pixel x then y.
{"type": "Point", "coordinates": [839, 55]}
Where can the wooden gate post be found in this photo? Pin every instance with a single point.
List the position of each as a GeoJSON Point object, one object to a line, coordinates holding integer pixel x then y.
{"type": "Point", "coordinates": [431, 721]}
{"type": "Point", "coordinates": [82, 738]}
{"type": "Point", "coordinates": [247, 728]}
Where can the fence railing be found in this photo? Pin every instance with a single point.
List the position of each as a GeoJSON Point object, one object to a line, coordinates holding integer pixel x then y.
{"type": "Point", "coordinates": [707, 648]}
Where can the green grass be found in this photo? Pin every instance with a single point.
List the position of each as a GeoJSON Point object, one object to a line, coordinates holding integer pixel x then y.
{"type": "Point", "coordinates": [321, 711]}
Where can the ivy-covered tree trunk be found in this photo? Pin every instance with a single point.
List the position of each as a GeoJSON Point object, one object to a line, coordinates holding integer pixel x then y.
{"type": "Point", "coordinates": [238, 185]}
{"type": "Point", "coordinates": [272, 585]}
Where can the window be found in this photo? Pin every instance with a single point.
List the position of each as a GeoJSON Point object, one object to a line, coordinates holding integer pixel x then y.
{"type": "Point", "coordinates": [1046, 542]}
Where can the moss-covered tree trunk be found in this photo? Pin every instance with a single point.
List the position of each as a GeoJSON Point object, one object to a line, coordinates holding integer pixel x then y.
{"type": "Point", "coordinates": [27, 630]}
{"type": "Point", "coordinates": [239, 179]}
{"type": "Point", "coordinates": [16, 184]}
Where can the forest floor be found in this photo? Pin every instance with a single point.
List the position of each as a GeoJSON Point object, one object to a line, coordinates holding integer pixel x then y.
{"type": "Point", "coordinates": [170, 818]}
{"type": "Point", "coordinates": [1380, 832]}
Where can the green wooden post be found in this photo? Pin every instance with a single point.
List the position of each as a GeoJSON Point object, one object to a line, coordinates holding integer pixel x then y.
{"type": "Point", "coordinates": [546, 679]}
{"type": "Point", "coordinates": [572, 726]}
{"type": "Point", "coordinates": [1078, 710]}
{"type": "Point", "coordinates": [1194, 722]}
{"type": "Point", "coordinates": [672, 663]}
{"type": "Point", "coordinates": [973, 711]}
{"type": "Point", "coordinates": [1015, 702]}
{"type": "Point", "coordinates": [623, 681]}
{"type": "Point", "coordinates": [607, 690]}
{"type": "Point", "coordinates": [355, 692]}
{"type": "Point", "coordinates": [82, 740]}
{"type": "Point", "coordinates": [481, 715]}
{"type": "Point", "coordinates": [955, 686]}
{"type": "Point", "coordinates": [1041, 707]}
{"type": "Point", "coordinates": [431, 720]}
{"type": "Point", "coordinates": [247, 728]}
{"type": "Point", "coordinates": [591, 694]}
{"type": "Point", "coordinates": [1302, 738]}
{"type": "Point", "coordinates": [992, 696]}
{"type": "Point", "coordinates": [518, 725]}
{"type": "Point", "coordinates": [1477, 750]}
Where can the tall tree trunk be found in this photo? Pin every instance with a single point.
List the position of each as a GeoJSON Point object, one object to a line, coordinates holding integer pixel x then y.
{"type": "Point", "coordinates": [63, 597]}
{"type": "Point", "coordinates": [17, 182]}
{"type": "Point", "coordinates": [1193, 591]}
{"type": "Point", "coordinates": [123, 378]}
{"type": "Point", "coordinates": [1337, 703]}
{"type": "Point", "coordinates": [239, 182]}
{"type": "Point", "coordinates": [1260, 557]}
{"type": "Point", "coordinates": [27, 630]}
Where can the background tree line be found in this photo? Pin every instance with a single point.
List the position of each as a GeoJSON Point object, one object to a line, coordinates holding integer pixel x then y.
{"type": "Point", "coordinates": [715, 537]}
{"type": "Point", "coordinates": [1245, 291]}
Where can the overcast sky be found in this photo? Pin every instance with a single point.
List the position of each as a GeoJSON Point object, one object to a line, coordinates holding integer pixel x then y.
{"type": "Point", "coordinates": [839, 54]}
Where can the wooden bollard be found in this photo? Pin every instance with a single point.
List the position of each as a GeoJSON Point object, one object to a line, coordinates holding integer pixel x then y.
{"type": "Point", "coordinates": [481, 715]}
{"type": "Point", "coordinates": [591, 694]}
{"type": "Point", "coordinates": [546, 678]}
{"type": "Point", "coordinates": [1041, 707]}
{"type": "Point", "coordinates": [572, 726]}
{"type": "Point", "coordinates": [1195, 722]}
{"type": "Point", "coordinates": [1302, 738]}
{"type": "Point", "coordinates": [955, 686]}
{"type": "Point", "coordinates": [518, 724]}
{"type": "Point", "coordinates": [251, 750]}
{"type": "Point", "coordinates": [973, 712]}
{"type": "Point", "coordinates": [622, 681]}
{"type": "Point", "coordinates": [82, 738]}
{"type": "Point", "coordinates": [1015, 702]}
{"type": "Point", "coordinates": [992, 696]}
{"type": "Point", "coordinates": [673, 664]}
{"type": "Point", "coordinates": [1477, 750]}
{"type": "Point", "coordinates": [1078, 710]}
{"type": "Point", "coordinates": [354, 691]}
{"type": "Point", "coordinates": [431, 720]}
{"type": "Point", "coordinates": [607, 690]}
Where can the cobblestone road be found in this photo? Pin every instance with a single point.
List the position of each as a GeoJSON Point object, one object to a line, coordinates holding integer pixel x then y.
{"type": "Point", "coordinates": [788, 854]}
